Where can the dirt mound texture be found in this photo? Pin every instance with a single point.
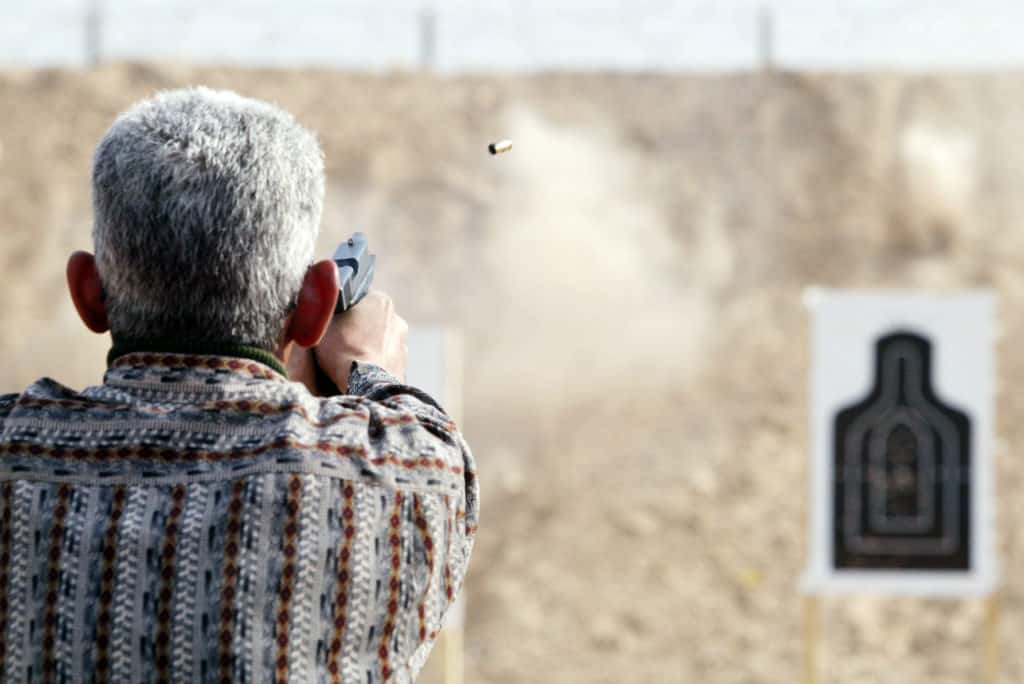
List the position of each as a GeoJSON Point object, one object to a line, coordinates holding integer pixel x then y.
{"type": "Point", "coordinates": [629, 282]}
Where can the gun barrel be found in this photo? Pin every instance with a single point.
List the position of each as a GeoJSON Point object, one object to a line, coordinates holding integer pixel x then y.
{"type": "Point", "coordinates": [356, 267]}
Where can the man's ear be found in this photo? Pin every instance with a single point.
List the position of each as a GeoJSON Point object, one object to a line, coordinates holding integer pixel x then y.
{"type": "Point", "coordinates": [87, 291]}
{"type": "Point", "coordinates": [315, 306]}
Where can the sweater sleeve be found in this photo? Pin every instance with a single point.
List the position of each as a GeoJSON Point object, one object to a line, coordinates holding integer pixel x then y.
{"type": "Point", "coordinates": [408, 421]}
{"type": "Point", "coordinates": [379, 386]}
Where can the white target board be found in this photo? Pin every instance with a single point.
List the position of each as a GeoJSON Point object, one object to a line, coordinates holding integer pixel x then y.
{"type": "Point", "coordinates": [902, 497]}
{"type": "Point", "coordinates": [435, 366]}
{"type": "Point", "coordinates": [435, 356]}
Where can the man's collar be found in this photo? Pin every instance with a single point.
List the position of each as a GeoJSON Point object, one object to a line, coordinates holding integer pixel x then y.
{"type": "Point", "coordinates": [183, 354]}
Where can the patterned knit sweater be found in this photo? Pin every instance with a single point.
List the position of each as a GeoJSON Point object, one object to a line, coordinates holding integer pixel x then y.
{"type": "Point", "coordinates": [202, 519]}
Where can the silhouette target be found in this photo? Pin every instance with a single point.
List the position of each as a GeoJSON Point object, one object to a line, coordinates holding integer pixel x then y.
{"type": "Point", "coordinates": [902, 469]}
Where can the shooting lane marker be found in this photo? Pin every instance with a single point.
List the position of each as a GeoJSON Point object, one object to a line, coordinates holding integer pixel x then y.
{"type": "Point", "coordinates": [500, 146]}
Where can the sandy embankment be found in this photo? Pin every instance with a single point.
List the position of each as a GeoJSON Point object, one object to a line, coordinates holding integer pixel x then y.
{"type": "Point", "coordinates": [629, 278]}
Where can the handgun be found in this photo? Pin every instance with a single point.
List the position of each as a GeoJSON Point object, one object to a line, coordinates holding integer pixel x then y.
{"type": "Point", "coordinates": [356, 267]}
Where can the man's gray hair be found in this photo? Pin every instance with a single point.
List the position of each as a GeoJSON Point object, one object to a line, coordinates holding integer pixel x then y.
{"type": "Point", "coordinates": [206, 207]}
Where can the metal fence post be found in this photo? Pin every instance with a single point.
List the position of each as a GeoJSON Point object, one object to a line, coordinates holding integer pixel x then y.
{"type": "Point", "coordinates": [766, 38]}
{"type": "Point", "coordinates": [428, 38]}
{"type": "Point", "coordinates": [93, 32]}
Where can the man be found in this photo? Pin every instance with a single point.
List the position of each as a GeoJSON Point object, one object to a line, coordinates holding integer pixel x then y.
{"type": "Point", "coordinates": [199, 516]}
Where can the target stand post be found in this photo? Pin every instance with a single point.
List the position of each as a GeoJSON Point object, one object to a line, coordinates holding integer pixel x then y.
{"type": "Point", "coordinates": [812, 639]}
{"type": "Point", "coordinates": [991, 641]}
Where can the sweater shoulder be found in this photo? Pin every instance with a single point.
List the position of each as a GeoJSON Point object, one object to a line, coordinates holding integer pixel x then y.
{"type": "Point", "coordinates": [7, 402]}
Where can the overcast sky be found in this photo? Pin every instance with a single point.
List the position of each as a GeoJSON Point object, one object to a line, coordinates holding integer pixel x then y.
{"type": "Point", "coordinates": [526, 34]}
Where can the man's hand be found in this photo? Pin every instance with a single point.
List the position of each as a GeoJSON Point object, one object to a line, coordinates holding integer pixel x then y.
{"type": "Point", "coordinates": [370, 332]}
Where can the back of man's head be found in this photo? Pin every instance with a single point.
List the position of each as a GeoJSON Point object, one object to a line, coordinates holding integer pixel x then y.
{"type": "Point", "coordinates": [206, 208]}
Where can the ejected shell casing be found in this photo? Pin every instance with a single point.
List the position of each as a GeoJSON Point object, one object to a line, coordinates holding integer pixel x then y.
{"type": "Point", "coordinates": [500, 146]}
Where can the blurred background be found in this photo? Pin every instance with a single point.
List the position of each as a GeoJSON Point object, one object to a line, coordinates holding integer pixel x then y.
{"type": "Point", "coordinates": [627, 280]}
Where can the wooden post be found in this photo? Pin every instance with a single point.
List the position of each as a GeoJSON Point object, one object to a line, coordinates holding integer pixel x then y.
{"type": "Point", "coordinates": [454, 655]}
{"type": "Point", "coordinates": [812, 639]}
{"type": "Point", "coordinates": [990, 638]}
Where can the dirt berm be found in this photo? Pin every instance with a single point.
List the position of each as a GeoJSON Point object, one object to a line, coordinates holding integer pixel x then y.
{"type": "Point", "coordinates": [629, 283]}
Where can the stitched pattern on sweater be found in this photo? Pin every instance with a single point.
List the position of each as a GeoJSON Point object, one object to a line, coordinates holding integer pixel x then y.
{"type": "Point", "coordinates": [205, 521]}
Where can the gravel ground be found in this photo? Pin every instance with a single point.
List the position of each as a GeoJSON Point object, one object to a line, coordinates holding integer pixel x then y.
{"type": "Point", "coordinates": [629, 282]}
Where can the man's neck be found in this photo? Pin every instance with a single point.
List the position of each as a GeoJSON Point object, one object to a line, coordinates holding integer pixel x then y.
{"type": "Point", "coordinates": [124, 346]}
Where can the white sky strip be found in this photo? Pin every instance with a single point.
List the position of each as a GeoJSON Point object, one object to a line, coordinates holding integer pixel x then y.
{"type": "Point", "coordinates": [527, 35]}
